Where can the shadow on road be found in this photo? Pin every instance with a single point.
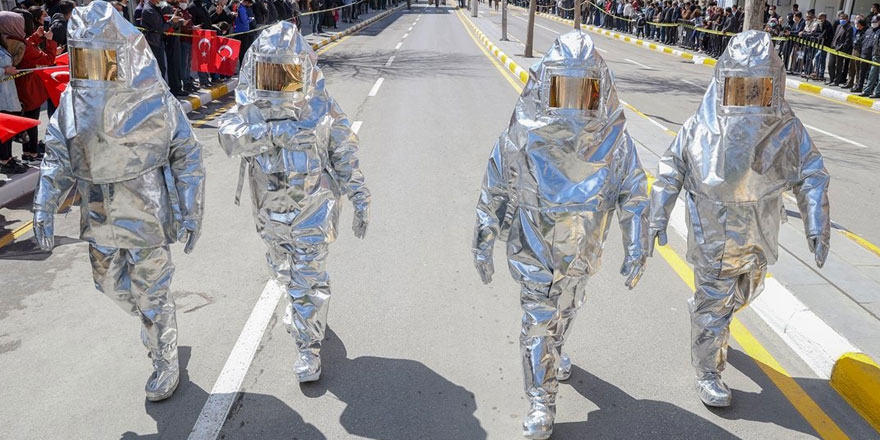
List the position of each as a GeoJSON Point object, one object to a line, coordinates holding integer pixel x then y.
{"type": "Point", "coordinates": [366, 65]}
{"type": "Point", "coordinates": [623, 416]}
{"type": "Point", "coordinates": [391, 398]}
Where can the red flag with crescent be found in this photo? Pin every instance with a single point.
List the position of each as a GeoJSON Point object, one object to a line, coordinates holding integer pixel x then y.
{"type": "Point", "coordinates": [204, 48]}
{"type": "Point", "coordinates": [63, 59]}
{"type": "Point", "coordinates": [226, 58]}
{"type": "Point", "coordinates": [55, 80]}
{"type": "Point", "coordinates": [12, 125]}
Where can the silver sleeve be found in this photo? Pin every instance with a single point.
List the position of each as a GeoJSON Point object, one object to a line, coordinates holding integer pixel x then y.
{"type": "Point", "coordinates": [632, 204]}
{"type": "Point", "coordinates": [188, 170]}
{"type": "Point", "coordinates": [670, 179]}
{"type": "Point", "coordinates": [492, 205]}
{"type": "Point", "coordinates": [343, 151]}
{"type": "Point", "coordinates": [812, 188]}
{"type": "Point", "coordinates": [56, 177]}
{"type": "Point", "coordinates": [243, 132]}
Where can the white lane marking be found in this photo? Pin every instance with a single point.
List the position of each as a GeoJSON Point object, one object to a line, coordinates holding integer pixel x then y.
{"type": "Point", "coordinates": [691, 83]}
{"type": "Point", "coordinates": [840, 138]}
{"type": "Point", "coordinates": [222, 396]}
{"type": "Point", "coordinates": [390, 60]}
{"type": "Point", "coordinates": [601, 50]}
{"type": "Point", "coordinates": [398, 45]}
{"type": "Point", "coordinates": [405, 35]}
{"type": "Point", "coordinates": [410, 29]}
{"type": "Point", "coordinates": [376, 86]}
{"type": "Point", "coordinates": [639, 64]}
{"type": "Point", "coordinates": [356, 125]}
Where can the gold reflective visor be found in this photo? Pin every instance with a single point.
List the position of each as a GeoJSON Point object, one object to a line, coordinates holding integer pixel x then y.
{"type": "Point", "coordinates": [94, 64]}
{"type": "Point", "coordinates": [279, 77]}
{"type": "Point", "coordinates": [748, 92]}
{"type": "Point", "coordinates": [574, 92]}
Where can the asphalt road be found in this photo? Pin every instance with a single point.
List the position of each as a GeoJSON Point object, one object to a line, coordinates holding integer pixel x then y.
{"type": "Point", "coordinates": [417, 347]}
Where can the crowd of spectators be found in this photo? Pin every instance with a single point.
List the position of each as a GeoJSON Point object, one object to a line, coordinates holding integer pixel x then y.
{"type": "Point", "coordinates": [35, 32]}
{"type": "Point", "coordinates": [803, 40]}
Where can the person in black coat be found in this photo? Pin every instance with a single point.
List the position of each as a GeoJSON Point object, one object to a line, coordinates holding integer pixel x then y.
{"type": "Point", "coordinates": [842, 42]}
{"type": "Point", "coordinates": [154, 28]}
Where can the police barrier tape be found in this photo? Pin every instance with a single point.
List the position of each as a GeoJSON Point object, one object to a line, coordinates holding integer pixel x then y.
{"type": "Point", "coordinates": [629, 20]}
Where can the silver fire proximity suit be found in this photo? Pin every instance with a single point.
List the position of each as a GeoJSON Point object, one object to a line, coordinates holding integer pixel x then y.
{"type": "Point", "coordinates": [554, 179]}
{"type": "Point", "coordinates": [301, 155]}
{"type": "Point", "coordinates": [124, 142]}
{"type": "Point", "coordinates": [734, 158]}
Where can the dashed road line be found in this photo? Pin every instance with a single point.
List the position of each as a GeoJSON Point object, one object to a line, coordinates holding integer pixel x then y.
{"type": "Point", "coordinates": [376, 86]}
{"type": "Point", "coordinates": [410, 29]}
{"type": "Point", "coordinates": [225, 390]}
{"type": "Point", "coordinates": [639, 64]}
{"type": "Point", "coordinates": [390, 60]}
{"type": "Point", "coordinates": [405, 35]}
{"type": "Point", "coordinates": [398, 45]}
{"type": "Point", "coordinates": [356, 126]}
{"type": "Point", "coordinates": [601, 50]}
{"type": "Point", "coordinates": [840, 138]}
{"type": "Point", "coordinates": [691, 83]}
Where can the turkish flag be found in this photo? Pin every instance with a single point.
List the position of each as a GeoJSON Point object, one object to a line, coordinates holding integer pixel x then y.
{"type": "Point", "coordinates": [12, 125]}
{"type": "Point", "coordinates": [55, 80]}
{"type": "Point", "coordinates": [63, 59]}
{"type": "Point", "coordinates": [203, 50]}
{"type": "Point", "coordinates": [226, 58]}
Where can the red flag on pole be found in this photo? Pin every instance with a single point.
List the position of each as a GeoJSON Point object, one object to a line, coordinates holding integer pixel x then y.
{"type": "Point", "coordinates": [63, 59]}
{"type": "Point", "coordinates": [226, 58]}
{"type": "Point", "coordinates": [203, 50]}
{"type": "Point", "coordinates": [55, 80]}
{"type": "Point", "coordinates": [12, 125]}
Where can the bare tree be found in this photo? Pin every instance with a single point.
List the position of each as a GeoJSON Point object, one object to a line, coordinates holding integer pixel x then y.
{"type": "Point", "coordinates": [530, 33]}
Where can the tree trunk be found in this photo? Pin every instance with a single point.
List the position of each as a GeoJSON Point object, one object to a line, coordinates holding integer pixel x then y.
{"type": "Point", "coordinates": [577, 14]}
{"type": "Point", "coordinates": [504, 21]}
{"type": "Point", "coordinates": [530, 33]}
{"type": "Point", "coordinates": [754, 15]}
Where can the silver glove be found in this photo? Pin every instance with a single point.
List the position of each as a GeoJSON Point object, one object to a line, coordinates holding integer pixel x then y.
{"type": "Point", "coordinates": [44, 230]}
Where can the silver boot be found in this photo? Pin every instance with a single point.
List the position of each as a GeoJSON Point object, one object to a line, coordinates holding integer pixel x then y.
{"type": "Point", "coordinates": [165, 377]}
{"type": "Point", "coordinates": [539, 421]}
{"type": "Point", "coordinates": [563, 372]}
{"type": "Point", "coordinates": [307, 366]}
{"type": "Point", "coordinates": [713, 391]}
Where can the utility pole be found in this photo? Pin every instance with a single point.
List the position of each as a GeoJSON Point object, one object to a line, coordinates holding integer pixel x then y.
{"type": "Point", "coordinates": [577, 14]}
{"type": "Point", "coordinates": [504, 20]}
{"type": "Point", "coordinates": [530, 33]}
{"type": "Point", "coordinates": [476, 5]}
{"type": "Point", "coordinates": [754, 15]}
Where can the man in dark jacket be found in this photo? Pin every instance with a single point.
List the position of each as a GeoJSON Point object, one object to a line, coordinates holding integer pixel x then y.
{"type": "Point", "coordinates": [200, 15]}
{"type": "Point", "coordinates": [843, 39]}
{"type": "Point", "coordinates": [154, 28]}
{"type": "Point", "coordinates": [855, 66]}
{"type": "Point", "coordinates": [260, 14]}
{"type": "Point", "coordinates": [59, 22]}
{"type": "Point", "coordinates": [871, 36]}
{"type": "Point", "coordinates": [872, 87]}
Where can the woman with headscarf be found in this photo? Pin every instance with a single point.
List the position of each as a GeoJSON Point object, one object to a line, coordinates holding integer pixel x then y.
{"type": "Point", "coordinates": [26, 54]}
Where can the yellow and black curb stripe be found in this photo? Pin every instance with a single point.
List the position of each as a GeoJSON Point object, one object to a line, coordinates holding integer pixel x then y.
{"type": "Point", "coordinates": [855, 376]}
{"type": "Point", "coordinates": [826, 92]}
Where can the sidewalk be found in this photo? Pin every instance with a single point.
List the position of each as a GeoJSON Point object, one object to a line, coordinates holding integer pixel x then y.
{"type": "Point", "coordinates": [827, 316]}
{"type": "Point", "coordinates": [828, 92]}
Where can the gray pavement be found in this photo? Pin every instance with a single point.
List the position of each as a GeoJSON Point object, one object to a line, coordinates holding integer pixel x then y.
{"type": "Point", "coordinates": [417, 346]}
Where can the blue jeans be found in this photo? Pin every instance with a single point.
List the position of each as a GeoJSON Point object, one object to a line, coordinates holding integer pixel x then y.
{"type": "Point", "coordinates": [819, 63]}
{"type": "Point", "coordinates": [872, 86]}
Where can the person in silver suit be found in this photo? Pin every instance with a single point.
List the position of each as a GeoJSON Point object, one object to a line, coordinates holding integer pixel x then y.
{"type": "Point", "coordinates": [554, 179]}
{"type": "Point", "coordinates": [734, 158]}
{"type": "Point", "coordinates": [301, 155]}
{"type": "Point", "coordinates": [125, 143]}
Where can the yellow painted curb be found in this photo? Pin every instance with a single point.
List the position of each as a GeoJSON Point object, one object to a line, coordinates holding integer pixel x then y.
{"type": "Point", "coordinates": [856, 377]}
{"type": "Point", "coordinates": [194, 101]}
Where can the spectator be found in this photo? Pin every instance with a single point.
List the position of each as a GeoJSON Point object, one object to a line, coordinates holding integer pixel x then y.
{"type": "Point", "coordinates": [173, 49]}
{"type": "Point", "coordinates": [10, 105]}
{"type": "Point", "coordinates": [26, 54]}
{"type": "Point", "coordinates": [872, 86]}
{"type": "Point", "coordinates": [52, 7]}
{"type": "Point", "coordinates": [875, 11]}
{"type": "Point", "coordinates": [867, 53]}
{"type": "Point", "coordinates": [154, 26]}
{"type": "Point", "coordinates": [317, 26]}
{"type": "Point", "coordinates": [200, 20]}
{"type": "Point", "coordinates": [186, 28]}
{"type": "Point", "coordinates": [843, 39]}
{"type": "Point", "coordinates": [39, 16]}
{"type": "Point", "coordinates": [242, 25]}
{"type": "Point", "coordinates": [59, 22]}
{"type": "Point", "coordinates": [221, 15]}
{"type": "Point", "coordinates": [855, 65]}
{"type": "Point", "coordinates": [824, 35]}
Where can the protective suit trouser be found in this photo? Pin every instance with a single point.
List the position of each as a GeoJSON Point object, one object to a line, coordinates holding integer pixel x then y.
{"type": "Point", "coordinates": [302, 271]}
{"type": "Point", "coordinates": [139, 280]}
{"type": "Point", "coordinates": [548, 315]}
{"type": "Point", "coordinates": [715, 301]}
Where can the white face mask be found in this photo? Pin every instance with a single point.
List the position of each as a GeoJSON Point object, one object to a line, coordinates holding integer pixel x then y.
{"type": "Point", "coordinates": [183, 5]}
{"type": "Point", "coordinates": [875, 25]}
